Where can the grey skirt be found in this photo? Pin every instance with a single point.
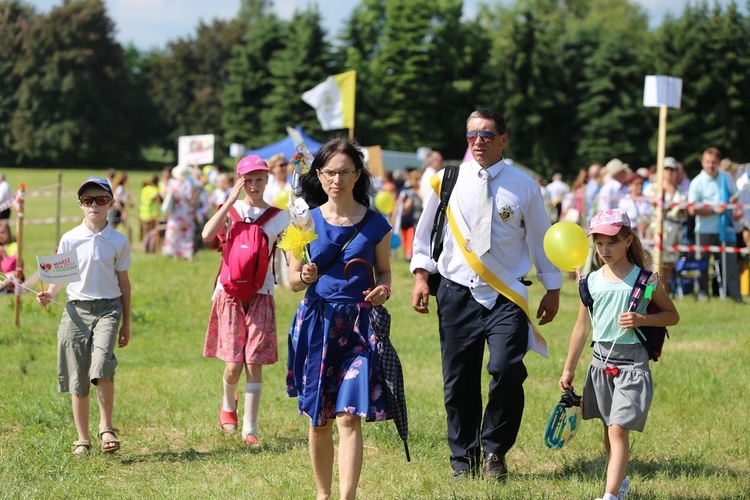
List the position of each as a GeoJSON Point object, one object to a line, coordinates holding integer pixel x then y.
{"type": "Point", "coordinates": [622, 396]}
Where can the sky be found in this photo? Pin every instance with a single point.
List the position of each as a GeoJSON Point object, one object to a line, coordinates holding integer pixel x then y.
{"type": "Point", "coordinates": [152, 23]}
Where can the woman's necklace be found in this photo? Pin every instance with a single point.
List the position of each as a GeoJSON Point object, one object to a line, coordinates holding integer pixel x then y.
{"type": "Point", "coordinates": [342, 220]}
{"type": "Point", "coordinates": [346, 219]}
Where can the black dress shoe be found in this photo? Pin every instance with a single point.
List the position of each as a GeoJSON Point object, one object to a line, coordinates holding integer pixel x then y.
{"type": "Point", "coordinates": [460, 475]}
{"type": "Point", "coordinates": [494, 467]}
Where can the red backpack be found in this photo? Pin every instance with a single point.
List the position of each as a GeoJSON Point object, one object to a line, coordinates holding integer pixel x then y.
{"type": "Point", "coordinates": [245, 255]}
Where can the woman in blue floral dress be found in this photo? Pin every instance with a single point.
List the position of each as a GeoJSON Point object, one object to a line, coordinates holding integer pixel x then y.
{"type": "Point", "coordinates": [332, 368]}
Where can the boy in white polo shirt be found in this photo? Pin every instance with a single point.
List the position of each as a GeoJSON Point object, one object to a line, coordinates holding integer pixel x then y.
{"type": "Point", "coordinates": [91, 319]}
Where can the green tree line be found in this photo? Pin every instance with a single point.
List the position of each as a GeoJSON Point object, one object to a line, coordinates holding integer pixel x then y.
{"type": "Point", "coordinates": [567, 74]}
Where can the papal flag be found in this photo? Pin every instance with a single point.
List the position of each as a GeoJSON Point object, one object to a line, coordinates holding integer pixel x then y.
{"type": "Point", "coordinates": [333, 101]}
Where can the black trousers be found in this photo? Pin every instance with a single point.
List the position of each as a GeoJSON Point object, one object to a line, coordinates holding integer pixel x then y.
{"type": "Point", "coordinates": [733, 267]}
{"type": "Point", "coordinates": [465, 327]}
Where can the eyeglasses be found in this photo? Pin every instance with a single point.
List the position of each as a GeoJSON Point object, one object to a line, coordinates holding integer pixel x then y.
{"type": "Point", "coordinates": [474, 135]}
{"type": "Point", "coordinates": [343, 174]}
{"type": "Point", "coordinates": [87, 201]}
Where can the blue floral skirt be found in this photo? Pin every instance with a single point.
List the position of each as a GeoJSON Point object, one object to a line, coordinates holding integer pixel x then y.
{"type": "Point", "coordinates": [333, 362]}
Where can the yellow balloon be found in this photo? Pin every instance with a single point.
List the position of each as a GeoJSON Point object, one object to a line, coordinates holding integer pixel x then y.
{"type": "Point", "coordinates": [281, 199]}
{"type": "Point", "coordinates": [384, 202]}
{"type": "Point", "coordinates": [566, 246]}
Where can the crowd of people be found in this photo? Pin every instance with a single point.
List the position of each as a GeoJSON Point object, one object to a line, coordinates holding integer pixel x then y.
{"type": "Point", "coordinates": [497, 219]}
{"type": "Point", "coordinates": [694, 211]}
{"type": "Point", "coordinates": [333, 370]}
{"type": "Point", "coordinates": [173, 207]}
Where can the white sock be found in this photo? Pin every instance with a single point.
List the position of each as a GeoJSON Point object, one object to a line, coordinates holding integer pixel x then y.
{"type": "Point", "coordinates": [252, 403]}
{"type": "Point", "coordinates": [609, 496]}
{"type": "Point", "coordinates": [229, 394]}
{"type": "Point", "coordinates": [624, 488]}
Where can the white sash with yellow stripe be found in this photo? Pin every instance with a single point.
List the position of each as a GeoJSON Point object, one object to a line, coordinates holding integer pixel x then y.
{"type": "Point", "coordinates": [495, 274]}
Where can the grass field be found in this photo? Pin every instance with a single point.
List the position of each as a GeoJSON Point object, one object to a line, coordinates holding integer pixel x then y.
{"type": "Point", "coordinates": [695, 445]}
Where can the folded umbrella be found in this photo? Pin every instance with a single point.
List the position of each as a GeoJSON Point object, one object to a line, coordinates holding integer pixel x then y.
{"type": "Point", "coordinates": [388, 361]}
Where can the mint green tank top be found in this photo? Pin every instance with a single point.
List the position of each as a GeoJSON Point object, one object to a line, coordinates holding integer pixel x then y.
{"type": "Point", "coordinates": [610, 300]}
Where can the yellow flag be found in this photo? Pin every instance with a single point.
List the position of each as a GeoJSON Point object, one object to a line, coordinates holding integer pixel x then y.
{"type": "Point", "coordinates": [333, 101]}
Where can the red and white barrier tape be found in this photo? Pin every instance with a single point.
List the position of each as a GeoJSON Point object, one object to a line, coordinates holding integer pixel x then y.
{"type": "Point", "coordinates": [688, 204]}
{"type": "Point", "coordinates": [15, 202]}
{"type": "Point", "coordinates": [707, 248]}
{"type": "Point", "coordinates": [37, 193]}
{"type": "Point", "coordinates": [694, 204]}
{"type": "Point", "coordinates": [51, 220]}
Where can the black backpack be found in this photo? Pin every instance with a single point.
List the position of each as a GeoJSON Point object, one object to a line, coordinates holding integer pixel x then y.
{"type": "Point", "coordinates": [652, 337]}
{"type": "Point", "coordinates": [438, 225]}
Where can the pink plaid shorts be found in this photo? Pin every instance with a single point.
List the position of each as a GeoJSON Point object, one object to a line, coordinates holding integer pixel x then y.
{"type": "Point", "coordinates": [242, 332]}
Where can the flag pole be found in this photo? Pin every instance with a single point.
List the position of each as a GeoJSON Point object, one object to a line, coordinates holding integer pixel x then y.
{"type": "Point", "coordinates": [659, 215]}
{"type": "Point", "coordinates": [354, 106]}
{"type": "Point", "coordinates": [59, 207]}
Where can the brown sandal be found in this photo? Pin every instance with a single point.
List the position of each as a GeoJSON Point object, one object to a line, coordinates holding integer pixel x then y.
{"type": "Point", "coordinates": [81, 448]}
{"type": "Point", "coordinates": [109, 445]}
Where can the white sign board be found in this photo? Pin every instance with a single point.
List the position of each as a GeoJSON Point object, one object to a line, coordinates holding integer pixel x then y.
{"type": "Point", "coordinates": [236, 150]}
{"type": "Point", "coordinates": [59, 268]}
{"type": "Point", "coordinates": [195, 149]}
{"type": "Point", "coordinates": [660, 90]}
{"type": "Point", "coordinates": [422, 153]}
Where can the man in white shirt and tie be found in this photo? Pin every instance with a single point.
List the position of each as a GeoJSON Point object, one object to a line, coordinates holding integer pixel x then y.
{"type": "Point", "coordinates": [482, 296]}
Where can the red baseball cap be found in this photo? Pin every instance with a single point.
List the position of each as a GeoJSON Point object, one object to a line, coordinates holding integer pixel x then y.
{"type": "Point", "coordinates": [251, 163]}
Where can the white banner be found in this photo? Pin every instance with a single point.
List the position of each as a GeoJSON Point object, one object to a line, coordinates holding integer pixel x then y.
{"type": "Point", "coordinates": [236, 150]}
{"type": "Point", "coordinates": [59, 268]}
{"type": "Point", "coordinates": [195, 149]}
{"type": "Point", "coordinates": [659, 90]}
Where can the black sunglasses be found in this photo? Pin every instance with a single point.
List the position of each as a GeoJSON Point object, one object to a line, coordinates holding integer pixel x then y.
{"type": "Point", "coordinates": [474, 135]}
{"type": "Point", "coordinates": [87, 201]}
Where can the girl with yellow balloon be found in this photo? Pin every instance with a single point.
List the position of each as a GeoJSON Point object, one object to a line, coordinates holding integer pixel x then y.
{"type": "Point", "coordinates": [566, 246]}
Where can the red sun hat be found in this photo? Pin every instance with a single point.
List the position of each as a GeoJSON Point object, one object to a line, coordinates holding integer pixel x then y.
{"type": "Point", "coordinates": [609, 222]}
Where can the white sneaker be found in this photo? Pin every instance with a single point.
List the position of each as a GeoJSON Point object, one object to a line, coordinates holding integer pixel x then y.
{"type": "Point", "coordinates": [624, 488]}
{"type": "Point", "coordinates": [606, 495]}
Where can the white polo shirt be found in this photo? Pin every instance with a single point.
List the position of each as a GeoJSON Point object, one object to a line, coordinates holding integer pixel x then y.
{"type": "Point", "coordinates": [100, 257]}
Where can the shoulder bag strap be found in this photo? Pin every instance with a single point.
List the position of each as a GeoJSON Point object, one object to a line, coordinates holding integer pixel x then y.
{"type": "Point", "coordinates": [446, 188]}
{"type": "Point", "coordinates": [234, 214]}
{"type": "Point", "coordinates": [638, 288]}
{"type": "Point", "coordinates": [635, 296]}
{"type": "Point", "coordinates": [585, 293]}
{"type": "Point", "coordinates": [266, 216]}
{"type": "Point", "coordinates": [354, 234]}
